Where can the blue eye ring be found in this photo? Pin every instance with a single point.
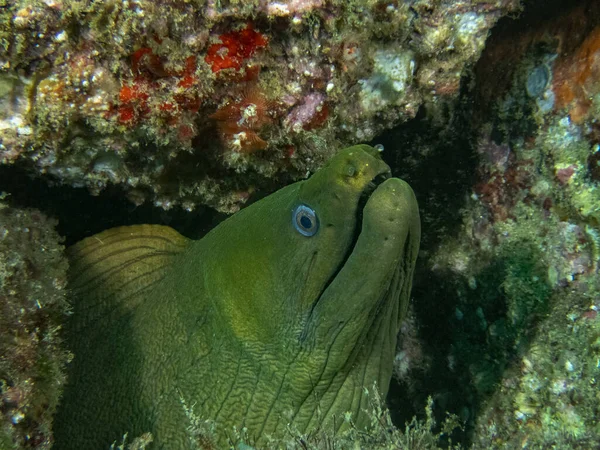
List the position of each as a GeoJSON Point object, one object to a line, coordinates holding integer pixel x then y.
{"type": "Point", "coordinates": [305, 220]}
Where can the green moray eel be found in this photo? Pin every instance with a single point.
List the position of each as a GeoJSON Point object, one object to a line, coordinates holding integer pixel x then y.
{"type": "Point", "coordinates": [282, 316]}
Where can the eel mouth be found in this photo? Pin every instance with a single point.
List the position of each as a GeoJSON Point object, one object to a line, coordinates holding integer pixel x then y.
{"type": "Point", "coordinates": [366, 193]}
{"type": "Point", "coordinates": [360, 207]}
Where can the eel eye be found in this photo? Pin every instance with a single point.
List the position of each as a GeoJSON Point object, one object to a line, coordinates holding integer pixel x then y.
{"type": "Point", "coordinates": [305, 220]}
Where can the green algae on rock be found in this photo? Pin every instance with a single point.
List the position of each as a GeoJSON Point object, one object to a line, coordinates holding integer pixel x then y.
{"type": "Point", "coordinates": [518, 271]}
{"type": "Point", "coordinates": [284, 315]}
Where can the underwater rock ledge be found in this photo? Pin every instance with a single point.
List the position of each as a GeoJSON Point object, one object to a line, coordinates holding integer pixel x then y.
{"type": "Point", "coordinates": [188, 103]}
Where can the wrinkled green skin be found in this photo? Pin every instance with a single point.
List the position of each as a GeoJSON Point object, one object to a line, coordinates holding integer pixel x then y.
{"type": "Point", "coordinates": [259, 326]}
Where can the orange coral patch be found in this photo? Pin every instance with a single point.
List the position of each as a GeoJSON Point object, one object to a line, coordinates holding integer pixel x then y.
{"type": "Point", "coordinates": [251, 110]}
{"type": "Point", "coordinates": [577, 76]}
{"type": "Point", "coordinates": [239, 121]}
{"type": "Point", "coordinates": [234, 49]}
{"type": "Point", "coordinates": [126, 114]}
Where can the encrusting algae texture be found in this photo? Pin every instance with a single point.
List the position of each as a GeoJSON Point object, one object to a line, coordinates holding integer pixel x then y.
{"type": "Point", "coordinates": [121, 93]}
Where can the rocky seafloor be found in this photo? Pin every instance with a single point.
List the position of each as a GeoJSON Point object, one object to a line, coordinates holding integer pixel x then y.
{"type": "Point", "coordinates": [489, 109]}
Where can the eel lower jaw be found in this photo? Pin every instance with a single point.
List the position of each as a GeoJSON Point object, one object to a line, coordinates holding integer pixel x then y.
{"type": "Point", "coordinates": [362, 201]}
{"type": "Point", "coordinates": [366, 193]}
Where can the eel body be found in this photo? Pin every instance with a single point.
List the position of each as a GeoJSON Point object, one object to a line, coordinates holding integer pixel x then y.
{"type": "Point", "coordinates": [279, 317]}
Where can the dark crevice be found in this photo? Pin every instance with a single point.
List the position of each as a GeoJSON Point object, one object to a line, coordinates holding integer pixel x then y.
{"type": "Point", "coordinates": [81, 214]}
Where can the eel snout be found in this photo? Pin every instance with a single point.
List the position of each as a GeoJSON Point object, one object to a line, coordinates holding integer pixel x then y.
{"type": "Point", "coordinates": [390, 214]}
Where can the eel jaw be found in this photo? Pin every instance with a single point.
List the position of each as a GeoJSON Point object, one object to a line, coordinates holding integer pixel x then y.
{"type": "Point", "coordinates": [366, 193]}
{"type": "Point", "coordinates": [362, 201]}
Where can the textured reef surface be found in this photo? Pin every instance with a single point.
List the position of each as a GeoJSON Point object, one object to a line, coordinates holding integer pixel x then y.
{"type": "Point", "coordinates": [32, 308]}
{"type": "Point", "coordinates": [505, 328]}
{"type": "Point", "coordinates": [489, 109]}
{"type": "Point", "coordinates": [205, 102]}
